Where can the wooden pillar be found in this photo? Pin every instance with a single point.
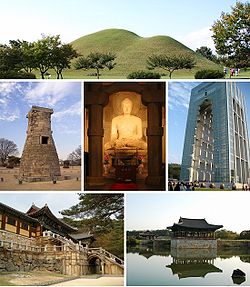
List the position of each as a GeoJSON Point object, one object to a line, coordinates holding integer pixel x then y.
{"type": "Point", "coordinates": [154, 136]}
{"type": "Point", "coordinates": [95, 142]}
{"type": "Point", "coordinates": [18, 227]}
{"type": "Point", "coordinates": [3, 222]}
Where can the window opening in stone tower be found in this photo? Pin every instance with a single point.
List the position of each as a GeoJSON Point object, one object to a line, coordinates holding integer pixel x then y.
{"type": "Point", "coordinates": [45, 140]}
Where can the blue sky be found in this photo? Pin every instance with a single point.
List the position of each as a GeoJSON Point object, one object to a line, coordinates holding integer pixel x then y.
{"type": "Point", "coordinates": [23, 201]}
{"type": "Point", "coordinates": [178, 101]}
{"type": "Point", "coordinates": [187, 21]}
{"type": "Point", "coordinates": [17, 98]}
{"type": "Point", "coordinates": [159, 210]}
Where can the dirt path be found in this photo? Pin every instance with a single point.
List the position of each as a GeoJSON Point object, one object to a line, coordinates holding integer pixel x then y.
{"type": "Point", "coordinates": [10, 182]}
{"type": "Point", "coordinates": [30, 278]}
{"type": "Point", "coordinates": [102, 281]}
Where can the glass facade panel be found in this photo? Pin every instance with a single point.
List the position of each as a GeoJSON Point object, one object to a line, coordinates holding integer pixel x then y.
{"type": "Point", "coordinates": [216, 134]}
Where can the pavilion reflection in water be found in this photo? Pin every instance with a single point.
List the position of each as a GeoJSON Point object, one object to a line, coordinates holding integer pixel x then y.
{"type": "Point", "coordinates": [193, 263]}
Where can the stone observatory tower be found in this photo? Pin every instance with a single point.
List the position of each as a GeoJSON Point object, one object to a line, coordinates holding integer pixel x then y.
{"type": "Point", "coordinates": [39, 161]}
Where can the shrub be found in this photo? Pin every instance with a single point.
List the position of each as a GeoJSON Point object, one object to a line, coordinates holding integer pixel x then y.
{"type": "Point", "coordinates": [144, 75]}
{"type": "Point", "coordinates": [203, 185]}
{"type": "Point", "coordinates": [209, 74]}
{"type": "Point", "coordinates": [16, 75]}
{"type": "Point", "coordinates": [222, 186]}
{"type": "Point", "coordinates": [131, 241]}
{"type": "Point", "coordinates": [212, 185]}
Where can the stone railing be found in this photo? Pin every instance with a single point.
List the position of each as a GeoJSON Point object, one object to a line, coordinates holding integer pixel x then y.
{"type": "Point", "coordinates": [67, 243]}
{"type": "Point", "coordinates": [16, 238]}
{"type": "Point", "coordinates": [9, 245]}
{"type": "Point", "coordinates": [12, 241]}
{"type": "Point", "coordinates": [109, 256]}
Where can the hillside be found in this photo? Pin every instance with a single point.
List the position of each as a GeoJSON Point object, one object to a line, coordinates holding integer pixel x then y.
{"type": "Point", "coordinates": [132, 51]}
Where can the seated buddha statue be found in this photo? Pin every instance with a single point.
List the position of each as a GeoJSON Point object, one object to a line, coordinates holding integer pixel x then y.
{"type": "Point", "coordinates": [126, 129]}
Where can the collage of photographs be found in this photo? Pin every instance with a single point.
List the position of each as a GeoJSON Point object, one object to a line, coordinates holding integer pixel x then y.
{"type": "Point", "coordinates": [124, 143]}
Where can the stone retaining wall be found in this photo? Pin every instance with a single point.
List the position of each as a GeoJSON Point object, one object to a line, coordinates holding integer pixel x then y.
{"type": "Point", "coordinates": [16, 260]}
{"type": "Point", "coordinates": [194, 243]}
{"type": "Point", "coordinates": [234, 244]}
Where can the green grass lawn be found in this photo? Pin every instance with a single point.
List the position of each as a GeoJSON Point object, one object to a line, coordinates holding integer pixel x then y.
{"type": "Point", "coordinates": [181, 74]}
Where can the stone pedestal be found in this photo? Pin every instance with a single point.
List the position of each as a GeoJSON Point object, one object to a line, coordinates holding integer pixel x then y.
{"type": "Point", "coordinates": [186, 243]}
{"type": "Point", "coordinates": [39, 160]}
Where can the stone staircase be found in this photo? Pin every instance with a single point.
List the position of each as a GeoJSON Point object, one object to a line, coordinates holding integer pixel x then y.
{"type": "Point", "coordinates": [74, 257]}
{"type": "Point", "coordinates": [65, 242]}
{"type": "Point", "coordinates": [107, 256]}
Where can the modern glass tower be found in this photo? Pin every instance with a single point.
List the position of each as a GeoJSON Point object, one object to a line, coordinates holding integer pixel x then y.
{"type": "Point", "coordinates": [216, 147]}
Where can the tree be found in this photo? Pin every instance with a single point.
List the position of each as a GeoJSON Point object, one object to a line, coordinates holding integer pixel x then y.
{"type": "Point", "coordinates": [231, 35]}
{"type": "Point", "coordinates": [43, 51]}
{"type": "Point", "coordinates": [174, 170]}
{"type": "Point", "coordinates": [226, 234]}
{"type": "Point", "coordinates": [14, 61]}
{"type": "Point", "coordinates": [24, 54]}
{"type": "Point", "coordinates": [245, 234]}
{"type": "Point", "coordinates": [7, 148]}
{"type": "Point", "coordinates": [76, 156]}
{"type": "Point", "coordinates": [97, 61]}
{"type": "Point", "coordinates": [207, 53]}
{"type": "Point", "coordinates": [19, 58]}
{"type": "Point", "coordinates": [9, 60]}
{"type": "Point", "coordinates": [98, 209]}
{"type": "Point", "coordinates": [113, 240]}
{"type": "Point", "coordinates": [101, 214]}
{"type": "Point", "coordinates": [170, 63]}
{"type": "Point", "coordinates": [61, 58]}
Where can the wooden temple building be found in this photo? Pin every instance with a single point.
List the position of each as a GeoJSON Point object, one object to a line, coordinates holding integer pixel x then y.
{"type": "Point", "coordinates": [50, 244]}
{"type": "Point", "coordinates": [147, 235]}
{"type": "Point", "coordinates": [193, 233]}
{"type": "Point", "coordinates": [37, 220]}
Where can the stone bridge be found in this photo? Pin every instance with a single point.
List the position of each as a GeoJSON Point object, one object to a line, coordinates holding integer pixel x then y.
{"type": "Point", "coordinates": [55, 253]}
{"type": "Point", "coordinates": [104, 262]}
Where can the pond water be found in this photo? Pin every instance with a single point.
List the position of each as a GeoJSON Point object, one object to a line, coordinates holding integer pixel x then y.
{"type": "Point", "coordinates": [148, 266]}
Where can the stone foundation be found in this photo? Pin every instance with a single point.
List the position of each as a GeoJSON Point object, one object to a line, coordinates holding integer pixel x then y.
{"type": "Point", "coordinates": [16, 260]}
{"type": "Point", "coordinates": [112, 269]}
{"type": "Point", "coordinates": [193, 243]}
{"type": "Point", "coordinates": [52, 252]}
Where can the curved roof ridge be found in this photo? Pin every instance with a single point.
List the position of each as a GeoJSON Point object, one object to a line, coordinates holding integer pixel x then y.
{"type": "Point", "coordinates": [46, 209]}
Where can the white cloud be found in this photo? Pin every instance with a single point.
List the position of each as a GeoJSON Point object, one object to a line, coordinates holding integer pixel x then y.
{"type": "Point", "coordinates": [6, 88]}
{"type": "Point", "coordinates": [198, 38]}
{"type": "Point", "coordinates": [174, 158]}
{"type": "Point", "coordinates": [9, 110]}
{"type": "Point", "coordinates": [9, 115]}
{"type": "Point", "coordinates": [179, 94]}
{"type": "Point", "coordinates": [74, 110]}
{"type": "Point", "coordinates": [49, 93]}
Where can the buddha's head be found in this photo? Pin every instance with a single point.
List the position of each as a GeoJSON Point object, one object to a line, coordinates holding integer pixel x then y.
{"type": "Point", "coordinates": [127, 106]}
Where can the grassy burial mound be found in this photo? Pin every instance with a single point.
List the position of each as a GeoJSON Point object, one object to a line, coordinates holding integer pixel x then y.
{"type": "Point", "coordinates": [132, 52]}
